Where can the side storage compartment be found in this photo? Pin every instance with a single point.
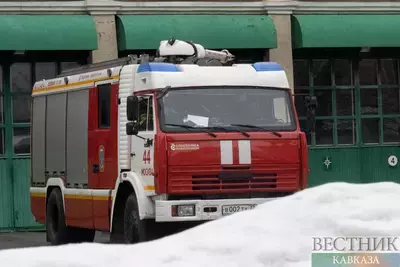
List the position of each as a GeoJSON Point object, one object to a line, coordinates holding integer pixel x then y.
{"type": "Point", "coordinates": [77, 138]}
{"type": "Point", "coordinates": [55, 134]}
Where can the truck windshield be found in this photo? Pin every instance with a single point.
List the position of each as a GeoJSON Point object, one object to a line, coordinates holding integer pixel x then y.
{"type": "Point", "coordinates": [227, 108]}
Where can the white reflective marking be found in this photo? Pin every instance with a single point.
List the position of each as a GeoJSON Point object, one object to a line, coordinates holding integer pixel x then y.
{"type": "Point", "coordinates": [226, 152]}
{"type": "Point", "coordinates": [244, 152]}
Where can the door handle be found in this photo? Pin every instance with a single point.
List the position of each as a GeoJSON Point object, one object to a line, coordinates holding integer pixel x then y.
{"type": "Point", "coordinates": [96, 168]}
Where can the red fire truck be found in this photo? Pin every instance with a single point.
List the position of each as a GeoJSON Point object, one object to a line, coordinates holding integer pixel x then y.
{"type": "Point", "coordinates": [131, 145]}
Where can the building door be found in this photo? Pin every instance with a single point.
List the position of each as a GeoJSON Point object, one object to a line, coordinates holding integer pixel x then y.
{"type": "Point", "coordinates": [379, 118]}
{"type": "Point", "coordinates": [6, 177]}
{"type": "Point", "coordinates": [17, 76]}
{"type": "Point", "coordinates": [19, 85]}
{"type": "Point", "coordinates": [357, 136]}
{"type": "Point", "coordinates": [15, 146]}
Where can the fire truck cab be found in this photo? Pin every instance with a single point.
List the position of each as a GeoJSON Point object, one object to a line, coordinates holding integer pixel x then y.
{"type": "Point", "coordinates": [131, 145]}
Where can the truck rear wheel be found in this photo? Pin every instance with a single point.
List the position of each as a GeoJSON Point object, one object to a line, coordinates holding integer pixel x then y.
{"type": "Point", "coordinates": [58, 232]}
{"type": "Point", "coordinates": [135, 229]}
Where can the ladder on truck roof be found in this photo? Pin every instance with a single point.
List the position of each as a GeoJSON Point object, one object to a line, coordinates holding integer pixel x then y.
{"type": "Point", "coordinates": [130, 59]}
{"type": "Point", "coordinates": [171, 51]}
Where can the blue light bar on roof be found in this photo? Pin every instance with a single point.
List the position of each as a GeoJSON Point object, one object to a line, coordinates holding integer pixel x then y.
{"type": "Point", "coordinates": [267, 66]}
{"type": "Point", "coordinates": [157, 66]}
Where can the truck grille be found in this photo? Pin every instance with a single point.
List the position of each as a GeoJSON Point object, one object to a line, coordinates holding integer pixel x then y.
{"type": "Point", "coordinates": [250, 180]}
{"type": "Point", "coordinates": [211, 182]}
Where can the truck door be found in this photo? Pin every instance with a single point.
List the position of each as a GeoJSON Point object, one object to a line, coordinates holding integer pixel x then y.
{"type": "Point", "coordinates": [103, 166]}
{"type": "Point", "coordinates": [103, 158]}
{"type": "Point", "coordinates": [143, 144]}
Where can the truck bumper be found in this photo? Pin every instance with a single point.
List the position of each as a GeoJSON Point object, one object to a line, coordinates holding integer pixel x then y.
{"type": "Point", "coordinates": [203, 209]}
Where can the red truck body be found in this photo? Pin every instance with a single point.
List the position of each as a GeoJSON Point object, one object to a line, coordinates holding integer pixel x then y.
{"type": "Point", "coordinates": [90, 173]}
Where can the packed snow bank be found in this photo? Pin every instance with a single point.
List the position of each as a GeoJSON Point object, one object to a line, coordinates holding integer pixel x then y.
{"type": "Point", "coordinates": [276, 234]}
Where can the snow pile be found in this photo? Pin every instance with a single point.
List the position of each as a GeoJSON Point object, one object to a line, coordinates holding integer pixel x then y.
{"type": "Point", "coordinates": [276, 234]}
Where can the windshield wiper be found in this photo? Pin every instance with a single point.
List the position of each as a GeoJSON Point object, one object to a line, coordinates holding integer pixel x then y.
{"type": "Point", "coordinates": [227, 130]}
{"type": "Point", "coordinates": [256, 127]}
{"type": "Point", "coordinates": [191, 128]}
{"type": "Point", "coordinates": [163, 92]}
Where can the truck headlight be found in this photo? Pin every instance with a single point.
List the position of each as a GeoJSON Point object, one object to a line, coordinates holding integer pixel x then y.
{"type": "Point", "coordinates": [183, 210]}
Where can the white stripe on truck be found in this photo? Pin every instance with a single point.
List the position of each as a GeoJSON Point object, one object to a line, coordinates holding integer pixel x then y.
{"type": "Point", "coordinates": [244, 152]}
{"type": "Point", "coordinates": [226, 152]}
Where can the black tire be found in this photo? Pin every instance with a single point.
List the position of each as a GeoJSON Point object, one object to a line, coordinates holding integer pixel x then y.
{"type": "Point", "coordinates": [116, 238]}
{"type": "Point", "coordinates": [56, 229]}
{"type": "Point", "coordinates": [58, 232]}
{"type": "Point", "coordinates": [135, 229]}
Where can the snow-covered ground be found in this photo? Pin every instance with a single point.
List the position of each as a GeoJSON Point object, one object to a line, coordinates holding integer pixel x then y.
{"type": "Point", "coordinates": [276, 234]}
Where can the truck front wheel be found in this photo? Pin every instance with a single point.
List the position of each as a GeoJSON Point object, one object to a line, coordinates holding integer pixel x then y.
{"type": "Point", "coordinates": [135, 229]}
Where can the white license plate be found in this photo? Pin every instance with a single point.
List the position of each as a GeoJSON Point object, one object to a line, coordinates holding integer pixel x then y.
{"type": "Point", "coordinates": [229, 209]}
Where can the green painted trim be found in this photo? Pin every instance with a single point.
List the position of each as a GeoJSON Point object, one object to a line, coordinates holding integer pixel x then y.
{"type": "Point", "coordinates": [21, 125]}
{"type": "Point", "coordinates": [380, 115]}
{"type": "Point", "coordinates": [349, 117]}
{"type": "Point", "coordinates": [136, 32]}
{"type": "Point", "coordinates": [39, 228]}
{"type": "Point", "coordinates": [335, 117]}
{"type": "Point", "coordinates": [369, 116]}
{"type": "Point", "coordinates": [8, 112]}
{"type": "Point", "coordinates": [22, 156]}
{"type": "Point", "coordinates": [9, 148]}
{"type": "Point", "coordinates": [330, 87]}
{"type": "Point", "coordinates": [345, 30]}
{"type": "Point", "coordinates": [47, 32]}
{"type": "Point", "coordinates": [341, 146]}
{"type": "Point", "coordinates": [390, 116]}
{"type": "Point", "coordinates": [345, 87]}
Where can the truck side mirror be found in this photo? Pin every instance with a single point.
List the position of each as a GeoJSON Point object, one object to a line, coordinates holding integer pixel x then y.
{"type": "Point", "coordinates": [132, 128]}
{"type": "Point", "coordinates": [132, 108]}
{"type": "Point", "coordinates": [311, 105]}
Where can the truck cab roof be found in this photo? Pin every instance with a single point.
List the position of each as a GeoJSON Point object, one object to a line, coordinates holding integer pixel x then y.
{"type": "Point", "coordinates": [155, 75]}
